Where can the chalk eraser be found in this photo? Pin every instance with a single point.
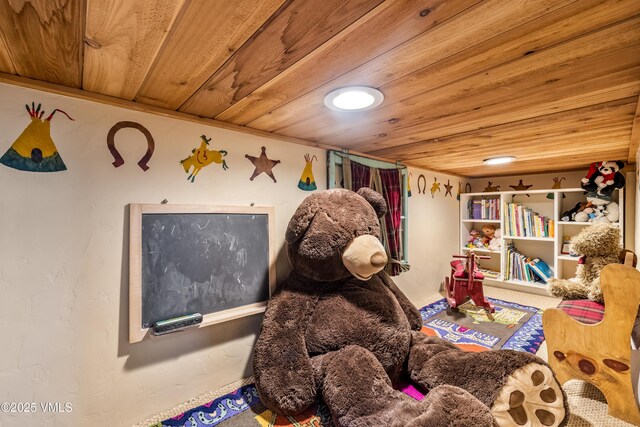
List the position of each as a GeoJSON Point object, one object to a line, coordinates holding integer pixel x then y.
{"type": "Point", "coordinates": [177, 323]}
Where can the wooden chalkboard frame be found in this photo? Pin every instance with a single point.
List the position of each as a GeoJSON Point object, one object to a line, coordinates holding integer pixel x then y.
{"type": "Point", "coordinates": [136, 332]}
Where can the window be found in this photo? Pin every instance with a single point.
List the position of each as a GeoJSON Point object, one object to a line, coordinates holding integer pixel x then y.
{"type": "Point", "coordinates": [350, 171]}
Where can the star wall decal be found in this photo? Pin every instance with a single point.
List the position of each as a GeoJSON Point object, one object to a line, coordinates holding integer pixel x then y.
{"type": "Point", "coordinates": [491, 188]}
{"type": "Point", "coordinates": [262, 164]}
{"type": "Point", "coordinates": [520, 186]}
{"type": "Point", "coordinates": [448, 186]}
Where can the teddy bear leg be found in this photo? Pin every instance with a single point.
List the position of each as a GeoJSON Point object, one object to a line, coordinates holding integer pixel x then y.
{"type": "Point", "coordinates": [519, 388]}
{"type": "Point", "coordinates": [358, 392]}
{"type": "Point", "coordinates": [595, 291]}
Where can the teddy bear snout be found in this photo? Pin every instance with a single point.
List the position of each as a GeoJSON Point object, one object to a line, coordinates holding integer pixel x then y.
{"type": "Point", "coordinates": [364, 257]}
{"type": "Point", "coordinates": [379, 259]}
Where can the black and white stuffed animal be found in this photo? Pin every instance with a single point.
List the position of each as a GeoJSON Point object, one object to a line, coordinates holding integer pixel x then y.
{"type": "Point", "coordinates": [604, 177]}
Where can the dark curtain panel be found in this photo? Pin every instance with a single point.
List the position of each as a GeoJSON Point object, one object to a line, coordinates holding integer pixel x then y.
{"type": "Point", "coordinates": [392, 193]}
{"type": "Point", "coordinates": [360, 176]}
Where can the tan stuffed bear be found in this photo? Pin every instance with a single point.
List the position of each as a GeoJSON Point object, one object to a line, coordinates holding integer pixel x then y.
{"type": "Point", "coordinates": [597, 245]}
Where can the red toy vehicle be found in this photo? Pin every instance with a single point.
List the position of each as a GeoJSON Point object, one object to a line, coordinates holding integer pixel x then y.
{"type": "Point", "coordinates": [466, 281]}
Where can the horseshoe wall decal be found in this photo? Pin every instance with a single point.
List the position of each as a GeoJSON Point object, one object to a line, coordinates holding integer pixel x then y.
{"type": "Point", "coordinates": [118, 160]}
{"type": "Point", "coordinates": [424, 186]}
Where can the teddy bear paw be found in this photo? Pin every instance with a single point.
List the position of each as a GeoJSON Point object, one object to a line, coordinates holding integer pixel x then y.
{"type": "Point", "coordinates": [531, 397]}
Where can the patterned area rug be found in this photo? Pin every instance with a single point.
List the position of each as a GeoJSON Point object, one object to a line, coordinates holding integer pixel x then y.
{"type": "Point", "coordinates": [242, 408]}
{"type": "Point", "coordinates": [514, 326]}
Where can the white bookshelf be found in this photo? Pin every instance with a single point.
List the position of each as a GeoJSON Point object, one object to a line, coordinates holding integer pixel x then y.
{"type": "Point", "coordinates": [484, 221]}
{"type": "Point", "coordinates": [568, 258]}
{"type": "Point", "coordinates": [547, 248]}
{"type": "Point", "coordinates": [539, 239]}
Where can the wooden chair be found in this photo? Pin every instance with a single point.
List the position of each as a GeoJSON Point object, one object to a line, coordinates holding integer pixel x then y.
{"type": "Point", "coordinates": [601, 353]}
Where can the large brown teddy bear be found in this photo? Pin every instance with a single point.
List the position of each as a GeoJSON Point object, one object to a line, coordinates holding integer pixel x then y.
{"type": "Point", "coordinates": [338, 328]}
{"type": "Point", "coordinates": [598, 245]}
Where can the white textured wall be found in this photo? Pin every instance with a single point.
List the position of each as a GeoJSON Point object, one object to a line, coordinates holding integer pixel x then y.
{"type": "Point", "coordinates": [64, 261]}
{"type": "Point", "coordinates": [64, 265]}
{"type": "Point", "coordinates": [433, 235]}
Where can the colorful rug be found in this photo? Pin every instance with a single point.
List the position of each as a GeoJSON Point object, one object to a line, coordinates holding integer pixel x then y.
{"type": "Point", "coordinates": [242, 408]}
{"type": "Point", "coordinates": [514, 326]}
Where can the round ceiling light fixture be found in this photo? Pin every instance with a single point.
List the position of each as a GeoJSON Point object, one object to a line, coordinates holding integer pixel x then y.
{"type": "Point", "coordinates": [353, 98]}
{"type": "Point", "coordinates": [498, 160]}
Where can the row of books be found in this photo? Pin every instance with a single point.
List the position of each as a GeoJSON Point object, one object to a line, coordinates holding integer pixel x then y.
{"type": "Point", "coordinates": [524, 222]}
{"type": "Point", "coordinates": [483, 209]}
{"type": "Point", "coordinates": [520, 267]}
{"type": "Point", "coordinates": [490, 274]}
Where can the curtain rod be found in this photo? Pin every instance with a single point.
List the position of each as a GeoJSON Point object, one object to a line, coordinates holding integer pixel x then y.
{"type": "Point", "coordinates": [345, 153]}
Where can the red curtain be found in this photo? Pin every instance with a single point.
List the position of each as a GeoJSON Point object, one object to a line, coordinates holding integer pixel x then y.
{"type": "Point", "coordinates": [360, 176]}
{"type": "Point", "coordinates": [392, 193]}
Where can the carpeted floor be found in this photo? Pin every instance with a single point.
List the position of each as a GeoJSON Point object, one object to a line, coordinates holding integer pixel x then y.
{"type": "Point", "coordinates": [588, 406]}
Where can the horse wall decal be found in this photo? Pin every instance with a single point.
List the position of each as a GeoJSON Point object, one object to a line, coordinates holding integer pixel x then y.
{"type": "Point", "coordinates": [202, 157]}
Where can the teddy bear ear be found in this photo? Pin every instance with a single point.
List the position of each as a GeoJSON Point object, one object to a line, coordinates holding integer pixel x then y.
{"type": "Point", "coordinates": [375, 199]}
{"type": "Point", "coordinates": [620, 164]}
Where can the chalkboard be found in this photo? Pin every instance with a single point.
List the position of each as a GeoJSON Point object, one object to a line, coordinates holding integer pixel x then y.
{"type": "Point", "coordinates": [217, 261]}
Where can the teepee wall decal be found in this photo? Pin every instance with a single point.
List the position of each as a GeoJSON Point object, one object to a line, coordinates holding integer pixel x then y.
{"type": "Point", "coordinates": [34, 150]}
{"type": "Point", "coordinates": [307, 181]}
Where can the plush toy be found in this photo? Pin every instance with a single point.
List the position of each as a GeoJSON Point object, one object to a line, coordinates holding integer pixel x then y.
{"type": "Point", "coordinates": [496, 243]}
{"type": "Point", "coordinates": [585, 214]}
{"type": "Point", "coordinates": [604, 177]}
{"type": "Point", "coordinates": [340, 329]}
{"type": "Point", "coordinates": [599, 209]}
{"type": "Point", "coordinates": [597, 245]}
{"type": "Point", "coordinates": [570, 215]}
{"type": "Point", "coordinates": [474, 240]}
{"type": "Point", "coordinates": [604, 211]}
{"type": "Point", "coordinates": [488, 232]}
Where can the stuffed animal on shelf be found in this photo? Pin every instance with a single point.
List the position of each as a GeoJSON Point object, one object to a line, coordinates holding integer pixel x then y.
{"type": "Point", "coordinates": [496, 243]}
{"type": "Point", "coordinates": [599, 209]}
{"type": "Point", "coordinates": [474, 240]}
{"type": "Point", "coordinates": [604, 177]}
{"type": "Point", "coordinates": [338, 328]}
{"type": "Point", "coordinates": [488, 231]}
{"type": "Point", "coordinates": [597, 245]}
{"type": "Point", "coordinates": [570, 215]}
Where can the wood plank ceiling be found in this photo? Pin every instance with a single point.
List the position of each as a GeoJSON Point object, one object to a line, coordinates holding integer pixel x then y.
{"type": "Point", "coordinates": [553, 82]}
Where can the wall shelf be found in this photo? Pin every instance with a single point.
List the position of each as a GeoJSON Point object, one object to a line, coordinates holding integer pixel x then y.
{"type": "Point", "coordinates": [568, 258]}
{"type": "Point", "coordinates": [525, 283]}
{"type": "Point", "coordinates": [545, 248]}
{"type": "Point", "coordinates": [480, 250]}
{"type": "Point", "coordinates": [539, 239]}
{"type": "Point", "coordinates": [617, 224]}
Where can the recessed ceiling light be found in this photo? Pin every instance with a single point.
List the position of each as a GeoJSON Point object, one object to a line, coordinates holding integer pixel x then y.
{"type": "Point", "coordinates": [499, 160]}
{"type": "Point", "coordinates": [353, 98]}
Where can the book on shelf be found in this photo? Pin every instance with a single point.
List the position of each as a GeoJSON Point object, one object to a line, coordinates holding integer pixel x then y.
{"type": "Point", "coordinates": [541, 269]}
{"type": "Point", "coordinates": [524, 222]}
{"type": "Point", "coordinates": [518, 266]}
{"type": "Point", "coordinates": [490, 274]}
{"type": "Point", "coordinates": [483, 209]}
